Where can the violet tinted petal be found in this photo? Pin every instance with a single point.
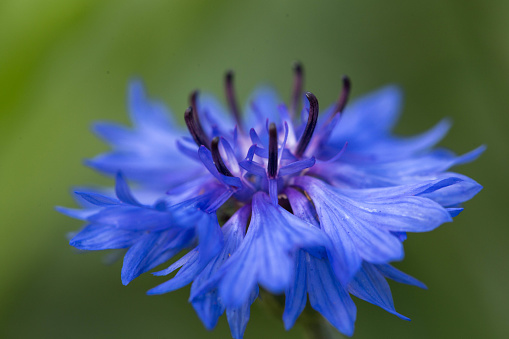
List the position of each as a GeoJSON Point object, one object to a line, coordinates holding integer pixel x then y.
{"type": "Point", "coordinates": [398, 276]}
{"type": "Point", "coordinates": [328, 296]}
{"type": "Point", "coordinates": [96, 237]}
{"type": "Point", "coordinates": [370, 285]}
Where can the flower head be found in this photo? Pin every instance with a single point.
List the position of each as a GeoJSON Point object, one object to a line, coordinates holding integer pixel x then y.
{"type": "Point", "coordinates": [311, 203]}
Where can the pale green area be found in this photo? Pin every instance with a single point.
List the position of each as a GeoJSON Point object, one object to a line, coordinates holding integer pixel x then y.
{"type": "Point", "coordinates": [65, 64]}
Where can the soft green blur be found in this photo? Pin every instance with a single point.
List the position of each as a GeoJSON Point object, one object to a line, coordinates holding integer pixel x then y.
{"type": "Point", "coordinates": [65, 64]}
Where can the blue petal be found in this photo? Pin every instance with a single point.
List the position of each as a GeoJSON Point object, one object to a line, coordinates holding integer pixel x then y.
{"type": "Point", "coordinates": [132, 218]}
{"type": "Point", "coordinates": [396, 172]}
{"type": "Point", "coordinates": [155, 170]}
{"type": "Point", "coordinates": [144, 153]}
{"type": "Point", "coordinates": [209, 308]}
{"type": "Point", "coordinates": [191, 266]}
{"type": "Point", "coordinates": [238, 317]}
{"type": "Point", "coordinates": [265, 255]}
{"type": "Point", "coordinates": [301, 206]}
{"type": "Point", "coordinates": [233, 232]}
{"type": "Point", "coordinates": [187, 260]}
{"type": "Point", "coordinates": [398, 148]}
{"type": "Point", "coordinates": [96, 237]}
{"type": "Point", "coordinates": [398, 276]}
{"type": "Point", "coordinates": [206, 158]}
{"type": "Point", "coordinates": [188, 213]}
{"type": "Point", "coordinates": [215, 114]}
{"type": "Point", "coordinates": [115, 135]}
{"type": "Point", "coordinates": [98, 199]}
{"type": "Point", "coordinates": [413, 189]}
{"type": "Point", "coordinates": [470, 156]}
{"type": "Point", "coordinates": [464, 189]}
{"type": "Point", "coordinates": [255, 139]}
{"type": "Point", "coordinates": [406, 214]}
{"type": "Point", "coordinates": [428, 164]}
{"type": "Point", "coordinates": [356, 230]}
{"type": "Point", "coordinates": [150, 250]}
{"type": "Point", "coordinates": [123, 192]}
{"type": "Point", "coordinates": [146, 114]}
{"type": "Point", "coordinates": [402, 236]}
{"type": "Point", "coordinates": [210, 237]}
{"type": "Point", "coordinates": [253, 168]}
{"type": "Point", "coordinates": [455, 211]}
{"type": "Point", "coordinates": [296, 294]}
{"type": "Point", "coordinates": [102, 191]}
{"type": "Point", "coordinates": [220, 199]}
{"type": "Point", "coordinates": [81, 214]}
{"type": "Point", "coordinates": [204, 295]}
{"type": "Point", "coordinates": [230, 159]}
{"type": "Point", "coordinates": [188, 149]}
{"type": "Point", "coordinates": [261, 106]}
{"type": "Point", "coordinates": [328, 296]}
{"type": "Point", "coordinates": [370, 285]}
{"type": "Point", "coordinates": [374, 113]}
{"type": "Point", "coordinates": [296, 166]}
{"type": "Point", "coordinates": [393, 213]}
{"type": "Point", "coordinates": [439, 184]}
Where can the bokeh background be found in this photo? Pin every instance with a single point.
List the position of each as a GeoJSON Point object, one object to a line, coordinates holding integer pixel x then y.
{"type": "Point", "coordinates": [65, 64]}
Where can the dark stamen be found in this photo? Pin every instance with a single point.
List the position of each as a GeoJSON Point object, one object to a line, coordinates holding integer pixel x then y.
{"type": "Point", "coordinates": [230, 96]}
{"type": "Point", "coordinates": [218, 161]}
{"type": "Point", "coordinates": [310, 126]}
{"type": "Point", "coordinates": [343, 98]}
{"type": "Point", "coordinates": [298, 80]}
{"type": "Point", "coordinates": [193, 98]}
{"type": "Point", "coordinates": [272, 165]}
{"type": "Point", "coordinates": [194, 127]}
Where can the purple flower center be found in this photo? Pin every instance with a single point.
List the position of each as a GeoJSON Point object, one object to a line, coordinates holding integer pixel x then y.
{"type": "Point", "coordinates": [274, 159]}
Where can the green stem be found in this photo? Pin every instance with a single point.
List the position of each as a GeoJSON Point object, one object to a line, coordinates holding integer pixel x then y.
{"type": "Point", "coordinates": [313, 324]}
{"type": "Point", "coordinates": [320, 329]}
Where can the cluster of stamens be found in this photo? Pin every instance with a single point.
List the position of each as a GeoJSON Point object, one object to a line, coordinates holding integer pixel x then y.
{"type": "Point", "coordinates": [198, 134]}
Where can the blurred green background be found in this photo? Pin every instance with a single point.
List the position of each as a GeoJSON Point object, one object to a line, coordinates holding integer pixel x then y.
{"type": "Point", "coordinates": [65, 64]}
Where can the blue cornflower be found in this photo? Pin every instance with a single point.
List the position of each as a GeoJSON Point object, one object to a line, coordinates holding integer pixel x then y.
{"type": "Point", "coordinates": [310, 204]}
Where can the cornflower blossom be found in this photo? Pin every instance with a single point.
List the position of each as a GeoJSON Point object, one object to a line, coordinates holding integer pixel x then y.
{"type": "Point", "coordinates": [288, 199]}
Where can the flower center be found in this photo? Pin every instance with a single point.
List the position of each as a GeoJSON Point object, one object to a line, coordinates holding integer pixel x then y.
{"type": "Point", "coordinates": [275, 163]}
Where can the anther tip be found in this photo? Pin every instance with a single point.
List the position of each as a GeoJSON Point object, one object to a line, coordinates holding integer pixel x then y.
{"type": "Point", "coordinates": [346, 81]}
{"type": "Point", "coordinates": [311, 98]}
{"type": "Point", "coordinates": [272, 128]}
{"type": "Point", "coordinates": [229, 75]}
{"type": "Point", "coordinates": [310, 95]}
{"type": "Point", "coordinates": [297, 67]}
{"type": "Point", "coordinates": [215, 142]}
{"type": "Point", "coordinates": [193, 97]}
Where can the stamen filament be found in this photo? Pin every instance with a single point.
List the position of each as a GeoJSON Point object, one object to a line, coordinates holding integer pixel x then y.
{"type": "Point", "coordinates": [272, 163]}
{"type": "Point", "coordinates": [218, 160]}
{"type": "Point", "coordinates": [298, 81]}
{"type": "Point", "coordinates": [343, 97]}
{"type": "Point", "coordinates": [195, 129]}
{"type": "Point", "coordinates": [310, 126]}
{"type": "Point", "coordinates": [193, 100]}
{"type": "Point", "coordinates": [231, 98]}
